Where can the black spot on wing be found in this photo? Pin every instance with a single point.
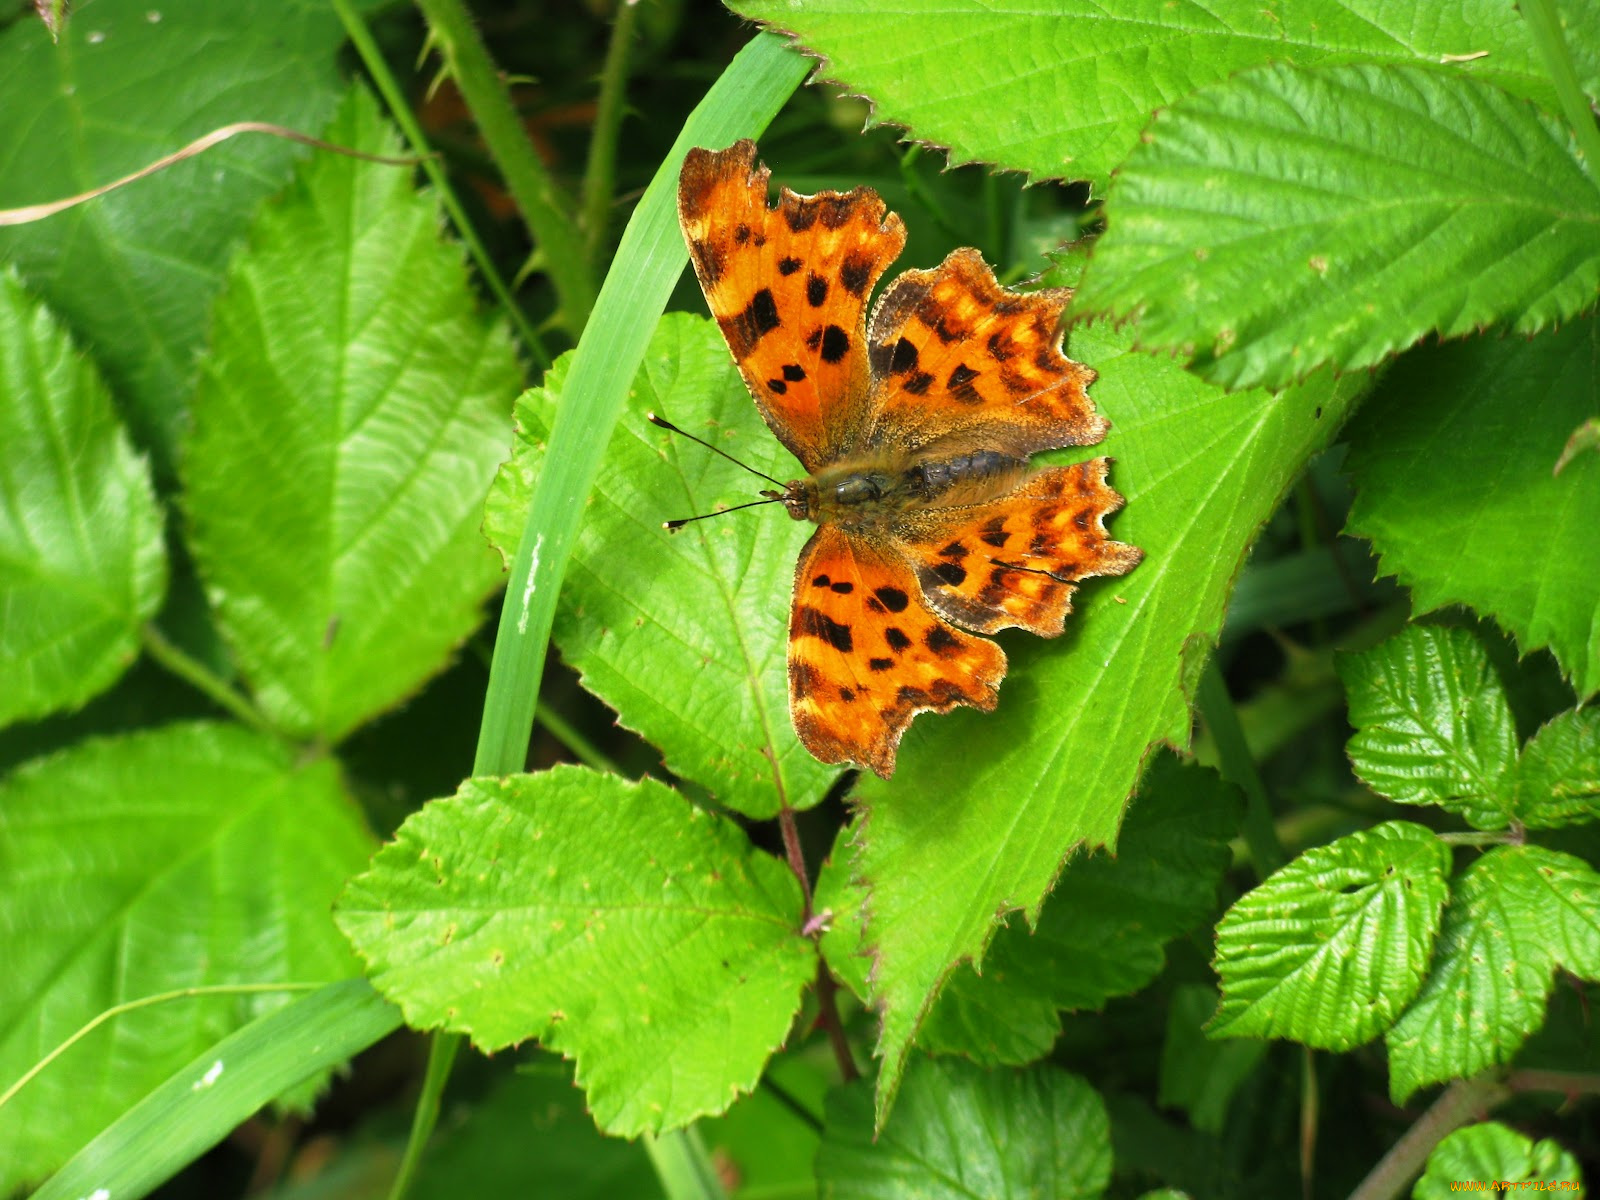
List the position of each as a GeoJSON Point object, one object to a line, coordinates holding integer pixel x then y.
{"type": "Point", "coordinates": [879, 664]}
{"type": "Point", "coordinates": [994, 533]}
{"type": "Point", "coordinates": [951, 574]}
{"type": "Point", "coordinates": [855, 274]}
{"type": "Point", "coordinates": [816, 291]}
{"type": "Point", "coordinates": [941, 641]}
{"type": "Point", "coordinates": [960, 385]}
{"type": "Point", "coordinates": [777, 387]}
{"type": "Point", "coordinates": [794, 372]}
{"type": "Point", "coordinates": [892, 598]}
{"type": "Point", "coordinates": [896, 638]}
{"type": "Point", "coordinates": [918, 383]}
{"type": "Point", "coordinates": [835, 344]}
{"type": "Point", "coordinates": [788, 266]}
{"type": "Point", "coordinates": [813, 622]}
{"type": "Point", "coordinates": [746, 328]}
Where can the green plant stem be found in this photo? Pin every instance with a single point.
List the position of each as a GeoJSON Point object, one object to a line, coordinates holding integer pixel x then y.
{"type": "Point", "coordinates": [441, 1055]}
{"type": "Point", "coordinates": [1239, 768]}
{"type": "Point", "coordinates": [1502, 838]}
{"type": "Point", "coordinates": [1460, 1103]}
{"type": "Point", "coordinates": [555, 231]}
{"type": "Point", "coordinates": [192, 671]}
{"type": "Point", "coordinates": [1309, 1116]}
{"type": "Point", "coordinates": [565, 732]}
{"type": "Point", "coordinates": [1545, 26]}
{"type": "Point", "coordinates": [683, 1166]}
{"type": "Point", "coordinates": [372, 58]}
{"type": "Point", "coordinates": [600, 172]}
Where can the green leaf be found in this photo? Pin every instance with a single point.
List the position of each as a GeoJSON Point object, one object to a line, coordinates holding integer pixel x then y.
{"type": "Point", "coordinates": [1065, 87]}
{"type": "Point", "coordinates": [530, 1136]}
{"type": "Point", "coordinates": [1102, 930]}
{"type": "Point", "coordinates": [1491, 1151]}
{"type": "Point", "coordinates": [1330, 948]}
{"type": "Point", "coordinates": [1557, 778]}
{"type": "Point", "coordinates": [188, 856]}
{"type": "Point", "coordinates": [82, 562]}
{"type": "Point", "coordinates": [350, 416]}
{"type": "Point", "coordinates": [1432, 723]}
{"type": "Point", "coordinates": [1452, 463]}
{"type": "Point", "coordinates": [990, 805]}
{"type": "Point", "coordinates": [134, 272]}
{"type": "Point", "coordinates": [1517, 914]}
{"type": "Point", "coordinates": [961, 1132]}
{"type": "Point", "coordinates": [1200, 1075]}
{"type": "Point", "coordinates": [202, 1103]}
{"type": "Point", "coordinates": [619, 925]}
{"type": "Point", "coordinates": [1292, 218]}
{"type": "Point", "coordinates": [685, 635]}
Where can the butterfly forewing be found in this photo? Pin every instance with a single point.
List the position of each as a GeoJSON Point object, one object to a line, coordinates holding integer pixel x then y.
{"type": "Point", "coordinates": [789, 287]}
{"type": "Point", "coordinates": [955, 356]}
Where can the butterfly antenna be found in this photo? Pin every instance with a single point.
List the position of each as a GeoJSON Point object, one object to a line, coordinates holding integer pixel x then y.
{"type": "Point", "coordinates": [674, 526]}
{"type": "Point", "coordinates": [654, 419]}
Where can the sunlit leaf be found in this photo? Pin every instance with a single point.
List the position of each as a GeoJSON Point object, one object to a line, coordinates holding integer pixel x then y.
{"type": "Point", "coordinates": [613, 921]}
{"type": "Point", "coordinates": [1329, 949]}
{"type": "Point", "coordinates": [351, 413]}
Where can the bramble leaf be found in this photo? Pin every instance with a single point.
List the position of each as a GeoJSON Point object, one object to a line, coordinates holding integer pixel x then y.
{"type": "Point", "coordinates": [82, 562]}
{"type": "Point", "coordinates": [1295, 218]}
{"type": "Point", "coordinates": [187, 856]}
{"type": "Point", "coordinates": [960, 1131]}
{"type": "Point", "coordinates": [1432, 723]}
{"type": "Point", "coordinates": [1063, 88]}
{"type": "Point", "coordinates": [134, 272]}
{"type": "Point", "coordinates": [613, 921]}
{"type": "Point", "coordinates": [1330, 948]}
{"type": "Point", "coordinates": [1557, 779]}
{"type": "Point", "coordinates": [954, 839]}
{"type": "Point", "coordinates": [1516, 915]}
{"type": "Point", "coordinates": [350, 416]}
{"type": "Point", "coordinates": [1103, 927]}
{"type": "Point", "coordinates": [1453, 464]}
{"type": "Point", "coordinates": [1492, 1151]}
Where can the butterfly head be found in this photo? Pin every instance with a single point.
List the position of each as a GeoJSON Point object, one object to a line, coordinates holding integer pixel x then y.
{"type": "Point", "coordinates": [799, 497]}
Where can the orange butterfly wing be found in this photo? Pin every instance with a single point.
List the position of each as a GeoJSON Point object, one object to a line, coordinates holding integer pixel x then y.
{"type": "Point", "coordinates": [1012, 562]}
{"type": "Point", "coordinates": [789, 287]}
{"type": "Point", "coordinates": [954, 353]}
{"type": "Point", "coordinates": [866, 654]}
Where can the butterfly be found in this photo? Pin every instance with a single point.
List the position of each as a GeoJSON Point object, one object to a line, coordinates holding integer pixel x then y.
{"type": "Point", "coordinates": [915, 430]}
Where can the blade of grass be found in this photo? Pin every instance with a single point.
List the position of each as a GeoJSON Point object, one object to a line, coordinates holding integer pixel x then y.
{"type": "Point", "coordinates": [648, 263]}
{"type": "Point", "coordinates": [201, 1104]}
{"type": "Point", "coordinates": [548, 215]}
{"type": "Point", "coordinates": [599, 174]}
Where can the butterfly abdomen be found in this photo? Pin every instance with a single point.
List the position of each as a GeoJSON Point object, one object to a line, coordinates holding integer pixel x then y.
{"type": "Point", "coordinates": [931, 479]}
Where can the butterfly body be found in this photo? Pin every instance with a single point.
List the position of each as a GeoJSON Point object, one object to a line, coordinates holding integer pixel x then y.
{"type": "Point", "coordinates": [915, 429]}
{"type": "Point", "coordinates": [868, 495]}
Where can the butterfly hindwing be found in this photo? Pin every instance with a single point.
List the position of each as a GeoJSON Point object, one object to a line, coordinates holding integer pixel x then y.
{"type": "Point", "coordinates": [866, 654]}
{"type": "Point", "coordinates": [789, 288]}
{"type": "Point", "coordinates": [1013, 561]}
